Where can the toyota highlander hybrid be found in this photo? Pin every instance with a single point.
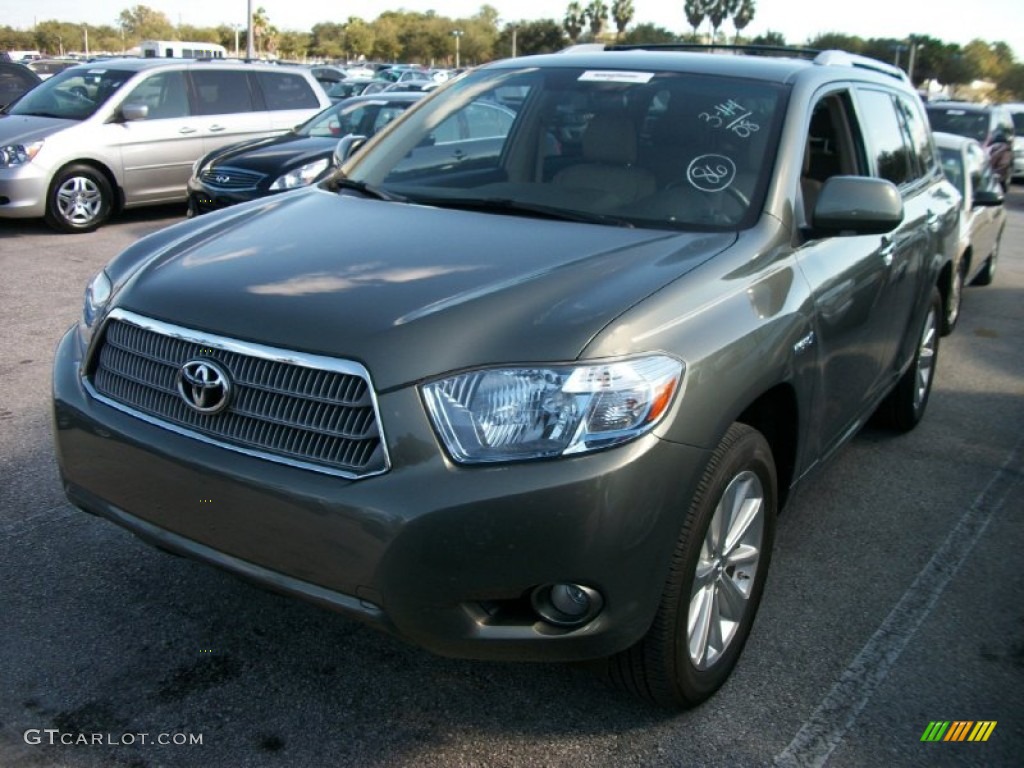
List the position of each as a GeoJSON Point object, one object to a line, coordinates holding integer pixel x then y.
{"type": "Point", "coordinates": [542, 399]}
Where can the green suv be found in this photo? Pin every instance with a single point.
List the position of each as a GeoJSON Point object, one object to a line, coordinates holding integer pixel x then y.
{"type": "Point", "coordinates": [540, 395]}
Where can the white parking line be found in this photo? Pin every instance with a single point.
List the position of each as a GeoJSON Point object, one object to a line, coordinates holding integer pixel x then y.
{"type": "Point", "coordinates": [825, 729]}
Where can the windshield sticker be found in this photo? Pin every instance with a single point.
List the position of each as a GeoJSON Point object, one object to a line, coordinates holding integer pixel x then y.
{"type": "Point", "coordinates": [96, 72]}
{"type": "Point", "coordinates": [711, 173]}
{"type": "Point", "coordinates": [615, 76]}
{"type": "Point", "coordinates": [732, 117]}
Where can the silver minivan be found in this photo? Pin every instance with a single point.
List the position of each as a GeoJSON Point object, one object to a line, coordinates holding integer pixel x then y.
{"type": "Point", "coordinates": [121, 133]}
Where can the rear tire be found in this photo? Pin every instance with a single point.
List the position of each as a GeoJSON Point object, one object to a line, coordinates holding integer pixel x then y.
{"type": "Point", "coordinates": [80, 199]}
{"type": "Point", "coordinates": [715, 580]}
{"type": "Point", "coordinates": [951, 313]}
{"type": "Point", "coordinates": [905, 405]}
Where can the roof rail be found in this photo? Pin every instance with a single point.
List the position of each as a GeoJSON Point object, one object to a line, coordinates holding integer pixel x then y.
{"type": "Point", "coordinates": [756, 50]}
{"type": "Point", "coordinates": [845, 59]}
{"type": "Point", "coordinates": [584, 48]}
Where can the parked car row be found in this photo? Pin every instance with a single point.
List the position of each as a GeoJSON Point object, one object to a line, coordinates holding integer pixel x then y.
{"type": "Point", "coordinates": [991, 125]}
{"type": "Point", "coordinates": [116, 134]}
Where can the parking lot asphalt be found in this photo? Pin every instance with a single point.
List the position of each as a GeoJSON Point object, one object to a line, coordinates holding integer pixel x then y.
{"type": "Point", "coordinates": [895, 600]}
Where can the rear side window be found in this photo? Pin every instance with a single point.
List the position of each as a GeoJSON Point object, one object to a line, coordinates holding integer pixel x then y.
{"type": "Point", "coordinates": [919, 133]}
{"type": "Point", "coordinates": [222, 92]}
{"type": "Point", "coordinates": [886, 142]}
{"type": "Point", "coordinates": [286, 90]}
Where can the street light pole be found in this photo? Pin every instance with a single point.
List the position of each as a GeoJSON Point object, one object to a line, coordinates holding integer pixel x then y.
{"type": "Point", "coordinates": [514, 29]}
{"type": "Point", "coordinates": [250, 53]}
{"type": "Point", "coordinates": [457, 33]}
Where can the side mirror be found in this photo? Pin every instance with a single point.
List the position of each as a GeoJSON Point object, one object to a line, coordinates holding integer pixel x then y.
{"type": "Point", "coordinates": [857, 205]}
{"type": "Point", "coordinates": [987, 197]}
{"type": "Point", "coordinates": [346, 147]}
{"type": "Point", "coordinates": [134, 111]}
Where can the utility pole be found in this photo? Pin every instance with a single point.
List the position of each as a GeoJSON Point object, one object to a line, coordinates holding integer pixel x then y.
{"type": "Point", "coordinates": [515, 28]}
{"type": "Point", "coordinates": [913, 58]}
{"type": "Point", "coordinates": [250, 52]}
{"type": "Point", "coordinates": [457, 33]}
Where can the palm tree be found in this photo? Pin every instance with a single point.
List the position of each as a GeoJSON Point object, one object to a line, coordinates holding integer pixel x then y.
{"type": "Point", "coordinates": [718, 12]}
{"type": "Point", "coordinates": [622, 13]}
{"type": "Point", "coordinates": [742, 17]}
{"type": "Point", "coordinates": [574, 21]}
{"type": "Point", "coordinates": [597, 13]}
{"type": "Point", "coordinates": [696, 11]}
{"type": "Point", "coordinates": [260, 27]}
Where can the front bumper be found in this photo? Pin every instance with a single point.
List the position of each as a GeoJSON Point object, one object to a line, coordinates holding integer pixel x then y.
{"type": "Point", "coordinates": [23, 191]}
{"type": "Point", "coordinates": [203, 198]}
{"type": "Point", "coordinates": [443, 556]}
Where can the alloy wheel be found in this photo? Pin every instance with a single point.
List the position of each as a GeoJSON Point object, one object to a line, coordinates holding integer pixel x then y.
{"type": "Point", "coordinates": [726, 569]}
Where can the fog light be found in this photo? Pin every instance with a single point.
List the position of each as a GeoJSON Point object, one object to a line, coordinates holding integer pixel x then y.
{"type": "Point", "coordinates": [566, 605]}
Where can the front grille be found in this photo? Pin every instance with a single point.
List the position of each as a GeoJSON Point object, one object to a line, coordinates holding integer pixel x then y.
{"type": "Point", "coordinates": [311, 411]}
{"type": "Point", "coordinates": [230, 178]}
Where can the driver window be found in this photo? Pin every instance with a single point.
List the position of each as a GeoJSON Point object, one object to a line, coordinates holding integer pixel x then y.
{"type": "Point", "coordinates": [163, 93]}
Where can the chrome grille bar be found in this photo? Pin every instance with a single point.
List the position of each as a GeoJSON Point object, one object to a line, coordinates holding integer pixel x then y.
{"type": "Point", "coordinates": [312, 411]}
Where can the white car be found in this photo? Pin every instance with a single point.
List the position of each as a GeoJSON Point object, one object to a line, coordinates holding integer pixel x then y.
{"type": "Point", "coordinates": [1017, 113]}
{"type": "Point", "coordinates": [982, 216]}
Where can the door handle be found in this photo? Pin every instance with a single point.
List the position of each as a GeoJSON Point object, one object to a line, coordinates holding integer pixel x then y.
{"type": "Point", "coordinates": [186, 131]}
{"type": "Point", "coordinates": [216, 128]}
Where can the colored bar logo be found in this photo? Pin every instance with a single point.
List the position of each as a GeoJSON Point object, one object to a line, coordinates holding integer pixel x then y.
{"type": "Point", "coordinates": [959, 730]}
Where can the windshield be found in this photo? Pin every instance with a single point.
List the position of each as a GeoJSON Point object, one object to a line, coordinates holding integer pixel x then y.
{"type": "Point", "coordinates": [952, 166]}
{"type": "Point", "coordinates": [364, 118]}
{"type": "Point", "coordinates": [653, 149]}
{"type": "Point", "coordinates": [962, 122]}
{"type": "Point", "coordinates": [73, 94]}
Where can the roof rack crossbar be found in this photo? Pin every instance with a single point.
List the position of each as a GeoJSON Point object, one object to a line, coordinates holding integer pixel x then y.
{"type": "Point", "coordinates": [765, 50]}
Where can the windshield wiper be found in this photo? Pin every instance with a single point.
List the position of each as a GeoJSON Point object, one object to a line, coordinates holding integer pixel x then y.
{"type": "Point", "coordinates": [341, 182]}
{"type": "Point", "coordinates": [509, 206]}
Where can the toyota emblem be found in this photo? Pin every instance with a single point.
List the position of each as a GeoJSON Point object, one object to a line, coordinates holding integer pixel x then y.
{"type": "Point", "coordinates": [204, 386]}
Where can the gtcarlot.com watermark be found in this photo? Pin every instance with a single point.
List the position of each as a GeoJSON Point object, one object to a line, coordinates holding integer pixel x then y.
{"type": "Point", "coordinates": [55, 736]}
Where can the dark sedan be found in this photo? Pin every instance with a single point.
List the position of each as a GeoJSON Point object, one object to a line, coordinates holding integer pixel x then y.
{"type": "Point", "coordinates": [15, 80]}
{"type": "Point", "coordinates": [253, 169]}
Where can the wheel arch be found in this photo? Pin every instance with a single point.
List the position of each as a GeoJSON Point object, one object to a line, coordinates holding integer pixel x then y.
{"type": "Point", "coordinates": [776, 415]}
{"type": "Point", "coordinates": [98, 165]}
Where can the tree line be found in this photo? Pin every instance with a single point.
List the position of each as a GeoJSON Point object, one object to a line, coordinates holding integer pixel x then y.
{"type": "Point", "coordinates": [427, 38]}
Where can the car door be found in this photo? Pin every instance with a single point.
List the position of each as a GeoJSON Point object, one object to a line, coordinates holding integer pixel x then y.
{"type": "Point", "coordinates": [982, 221]}
{"type": "Point", "coordinates": [849, 278]}
{"type": "Point", "coordinates": [158, 150]}
{"type": "Point", "coordinates": [902, 152]}
{"type": "Point", "coordinates": [227, 109]}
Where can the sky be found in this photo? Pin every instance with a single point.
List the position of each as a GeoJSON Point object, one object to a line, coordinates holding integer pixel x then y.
{"type": "Point", "coordinates": [990, 20]}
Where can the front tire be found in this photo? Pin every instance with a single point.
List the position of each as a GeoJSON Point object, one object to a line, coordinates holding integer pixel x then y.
{"type": "Point", "coordinates": [80, 199]}
{"type": "Point", "coordinates": [715, 581]}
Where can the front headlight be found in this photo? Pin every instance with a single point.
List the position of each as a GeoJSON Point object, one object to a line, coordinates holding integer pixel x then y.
{"type": "Point", "coordinates": [18, 154]}
{"type": "Point", "coordinates": [506, 414]}
{"type": "Point", "coordinates": [301, 176]}
{"type": "Point", "coordinates": [97, 294]}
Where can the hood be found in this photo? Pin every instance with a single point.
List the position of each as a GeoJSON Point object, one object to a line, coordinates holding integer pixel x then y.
{"type": "Point", "coordinates": [275, 155]}
{"type": "Point", "coordinates": [409, 291]}
{"type": "Point", "coordinates": [24, 129]}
